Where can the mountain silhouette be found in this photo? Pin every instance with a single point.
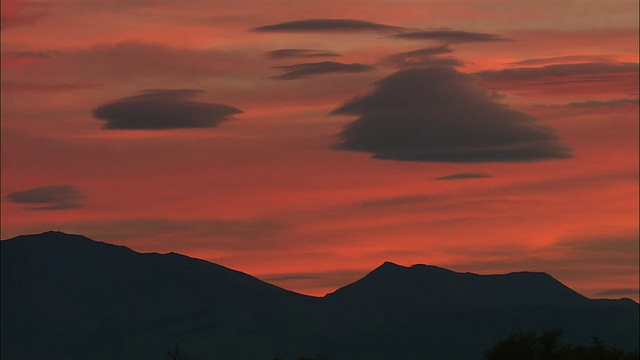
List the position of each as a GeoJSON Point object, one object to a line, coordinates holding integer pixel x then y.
{"type": "Point", "coordinates": [69, 297]}
{"type": "Point", "coordinates": [435, 286]}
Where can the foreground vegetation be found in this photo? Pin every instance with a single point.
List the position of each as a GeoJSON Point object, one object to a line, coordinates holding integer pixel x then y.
{"type": "Point", "coordinates": [518, 346]}
{"type": "Point", "coordinates": [547, 346]}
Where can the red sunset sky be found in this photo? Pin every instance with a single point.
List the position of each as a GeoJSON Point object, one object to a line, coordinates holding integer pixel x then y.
{"type": "Point", "coordinates": [306, 142]}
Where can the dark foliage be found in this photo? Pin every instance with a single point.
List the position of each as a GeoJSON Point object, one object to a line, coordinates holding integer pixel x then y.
{"type": "Point", "coordinates": [547, 346]}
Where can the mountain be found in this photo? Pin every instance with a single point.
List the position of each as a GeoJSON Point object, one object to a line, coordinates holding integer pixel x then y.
{"type": "Point", "coordinates": [434, 286]}
{"type": "Point", "coordinates": [69, 297]}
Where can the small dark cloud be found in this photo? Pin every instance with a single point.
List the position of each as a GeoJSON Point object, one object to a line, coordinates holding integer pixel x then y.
{"type": "Point", "coordinates": [44, 87]}
{"type": "Point", "coordinates": [564, 59]}
{"type": "Point", "coordinates": [557, 71]}
{"type": "Point", "coordinates": [163, 109]}
{"type": "Point", "coordinates": [426, 57]}
{"type": "Point", "coordinates": [395, 201]}
{"type": "Point", "coordinates": [595, 103]}
{"type": "Point", "coordinates": [53, 197]}
{"type": "Point", "coordinates": [440, 114]}
{"type": "Point", "coordinates": [602, 245]}
{"type": "Point", "coordinates": [462, 176]}
{"type": "Point", "coordinates": [327, 25]}
{"type": "Point", "coordinates": [619, 292]}
{"type": "Point", "coordinates": [302, 71]}
{"type": "Point", "coordinates": [450, 36]}
{"type": "Point", "coordinates": [299, 53]}
{"type": "Point", "coordinates": [28, 54]}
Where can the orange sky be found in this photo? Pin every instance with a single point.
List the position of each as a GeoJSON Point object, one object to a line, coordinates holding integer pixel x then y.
{"type": "Point", "coordinates": [266, 192]}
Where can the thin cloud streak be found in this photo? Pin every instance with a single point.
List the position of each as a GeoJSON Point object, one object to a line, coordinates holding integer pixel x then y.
{"type": "Point", "coordinates": [306, 70]}
{"type": "Point", "coordinates": [327, 25]}
{"type": "Point", "coordinates": [451, 36]}
{"type": "Point", "coordinates": [299, 53]}
{"type": "Point", "coordinates": [426, 57]}
{"type": "Point", "coordinates": [463, 176]}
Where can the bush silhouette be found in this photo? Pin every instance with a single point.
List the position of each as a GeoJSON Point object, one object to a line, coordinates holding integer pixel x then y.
{"type": "Point", "coordinates": [546, 346]}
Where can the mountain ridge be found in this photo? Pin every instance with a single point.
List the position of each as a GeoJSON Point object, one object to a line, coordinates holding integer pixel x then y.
{"type": "Point", "coordinates": [116, 302]}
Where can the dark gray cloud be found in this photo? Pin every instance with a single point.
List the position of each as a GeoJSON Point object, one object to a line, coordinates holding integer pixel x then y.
{"type": "Point", "coordinates": [163, 109]}
{"type": "Point", "coordinates": [619, 292]}
{"type": "Point", "coordinates": [53, 197]}
{"type": "Point", "coordinates": [327, 25]}
{"type": "Point", "coordinates": [565, 59]}
{"type": "Point", "coordinates": [299, 53]}
{"type": "Point", "coordinates": [462, 176]}
{"type": "Point", "coordinates": [558, 71]}
{"type": "Point", "coordinates": [450, 36]}
{"type": "Point", "coordinates": [305, 70]}
{"type": "Point", "coordinates": [398, 200]}
{"type": "Point", "coordinates": [596, 103]}
{"type": "Point", "coordinates": [439, 114]}
{"type": "Point", "coordinates": [426, 57]}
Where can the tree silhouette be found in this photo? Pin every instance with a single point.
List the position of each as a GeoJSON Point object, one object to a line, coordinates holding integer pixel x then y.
{"type": "Point", "coordinates": [546, 346]}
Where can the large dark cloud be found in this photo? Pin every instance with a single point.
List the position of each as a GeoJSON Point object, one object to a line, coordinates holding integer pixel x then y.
{"type": "Point", "coordinates": [558, 71]}
{"type": "Point", "coordinates": [299, 53]}
{"type": "Point", "coordinates": [450, 36]}
{"type": "Point", "coordinates": [305, 70]}
{"type": "Point", "coordinates": [327, 25]}
{"type": "Point", "coordinates": [53, 197]}
{"type": "Point", "coordinates": [439, 114]}
{"type": "Point", "coordinates": [426, 57]}
{"type": "Point", "coordinates": [463, 176]}
{"type": "Point", "coordinates": [163, 109]}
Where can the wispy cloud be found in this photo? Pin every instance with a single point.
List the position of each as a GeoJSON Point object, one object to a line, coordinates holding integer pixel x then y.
{"type": "Point", "coordinates": [327, 25]}
{"type": "Point", "coordinates": [426, 57]}
{"type": "Point", "coordinates": [52, 197]}
{"type": "Point", "coordinates": [462, 176]}
{"type": "Point", "coordinates": [299, 53]}
{"type": "Point", "coordinates": [557, 71]}
{"type": "Point", "coordinates": [306, 70]}
{"type": "Point", "coordinates": [450, 36]}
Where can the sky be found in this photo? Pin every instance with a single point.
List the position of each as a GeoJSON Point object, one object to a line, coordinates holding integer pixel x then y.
{"type": "Point", "coordinates": [306, 142]}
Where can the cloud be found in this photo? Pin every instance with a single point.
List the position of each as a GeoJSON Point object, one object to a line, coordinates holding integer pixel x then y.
{"type": "Point", "coordinates": [21, 13]}
{"type": "Point", "coordinates": [595, 103]}
{"type": "Point", "coordinates": [462, 176]}
{"type": "Point", "coordinates": [305, 70]}
{"type": "Point", "coordinates": [564, 59]}
{"type": "Point", "coordinates": [619, 292]}
{"type": "Point", "coordinates": [299, 53]}
{"type": "Point", "coordinates": [162, 109]}
{"type": "Point", "coordinates": [327, 25]}
{"type": "Point", "coordinates": [450, 36]}
{"type": "Point", "coordinates": [233, 235]}
{"type": "Point", "coordinates": [398, 200]}
{"type": "Point", "coordinates": [45, 87]}
{"type": "Point", "coordinates": [421, 58]}
{"type": "Point", "coordinates": [439, 114]}
{"type": "Point", "coordinates": [557, 71]}
{"type": "Point", "coordinates": [53, 197]}
{"type": "Point", "coordinates": [126, 61]}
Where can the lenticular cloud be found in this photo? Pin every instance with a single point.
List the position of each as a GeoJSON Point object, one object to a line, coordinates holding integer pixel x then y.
{"type": "Point", "coordinates": [440, 114]}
